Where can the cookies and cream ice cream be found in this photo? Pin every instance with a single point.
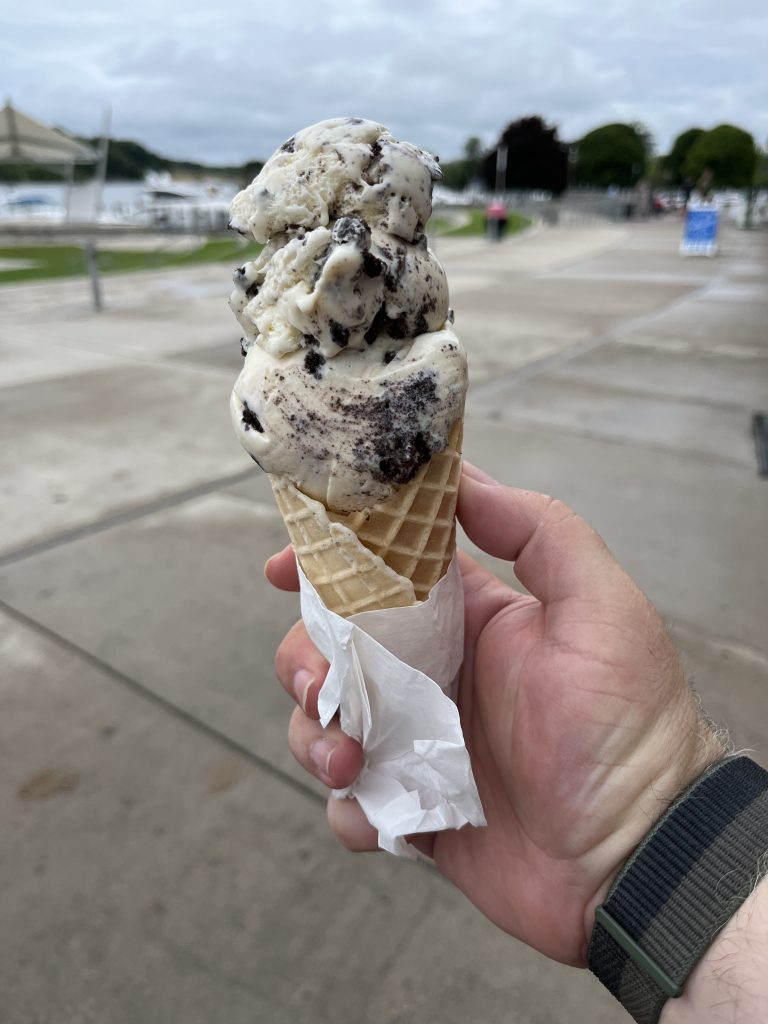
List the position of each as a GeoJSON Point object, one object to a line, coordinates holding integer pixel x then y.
{"type": "Point", "coordinates": [353, 375]}
{"type": "Point", "coordinates": [352, 398]}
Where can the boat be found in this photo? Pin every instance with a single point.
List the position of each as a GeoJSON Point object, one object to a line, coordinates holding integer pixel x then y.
{"type": "Point", "coordinates": [197, 207]}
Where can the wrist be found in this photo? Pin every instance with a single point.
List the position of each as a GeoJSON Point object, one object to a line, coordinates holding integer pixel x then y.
{"type": "Point", "coordinates": [672, 777]}
{"type": "Point", "coordinates": [680, 891]}
{"type": "Point", "coordinates": [731, 975]}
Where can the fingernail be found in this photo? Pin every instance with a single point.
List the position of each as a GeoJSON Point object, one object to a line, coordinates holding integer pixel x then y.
{"type": "Point", "coordinates": [301, 684]}
{"type": "Point", "coordinates": [320, 754]}
{"type": "Point", "coordinates": [478, 474]}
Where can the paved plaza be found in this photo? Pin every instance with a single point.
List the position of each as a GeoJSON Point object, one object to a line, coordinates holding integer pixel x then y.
{"type": "Point", "coordinates": [163, 859]}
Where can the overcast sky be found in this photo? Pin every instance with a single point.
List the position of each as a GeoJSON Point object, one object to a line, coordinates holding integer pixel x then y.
{"type": "Point", "coordinates": [224, 86]}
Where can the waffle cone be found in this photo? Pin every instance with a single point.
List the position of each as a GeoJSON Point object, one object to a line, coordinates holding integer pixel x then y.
{"type": "Point", "coordinates": [387, 556]}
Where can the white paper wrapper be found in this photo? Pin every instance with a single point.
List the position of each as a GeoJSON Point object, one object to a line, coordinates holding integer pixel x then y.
{"type": "Point", "coordinates": [390, 674]}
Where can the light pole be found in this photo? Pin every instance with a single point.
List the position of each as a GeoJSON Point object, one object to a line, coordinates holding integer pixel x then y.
{"type": "Point", "coordinates": [501, 168]}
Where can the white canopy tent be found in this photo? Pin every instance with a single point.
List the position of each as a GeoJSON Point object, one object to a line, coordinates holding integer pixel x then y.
{"type": "Point", "coordinates": [23, 140]}
{"type": "Point", "coordinates": [26, 141]}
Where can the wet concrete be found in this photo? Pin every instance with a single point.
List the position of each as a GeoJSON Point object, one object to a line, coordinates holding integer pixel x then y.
{"type": "Point", "coordinates": [165, 858]}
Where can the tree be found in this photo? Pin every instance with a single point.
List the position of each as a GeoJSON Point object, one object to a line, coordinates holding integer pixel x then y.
{"type": "Point", "coordinates": [615, 154]}
{"type": "Point", "coordinates": [128, 160]}
{"type": "Point", "coordinates": [643, 132]}
{"type": "Point", "coordinates": [761, 173]}
{"type": "Point", "coordinates": [14, 173]}
{"type": "Point", "coordinates": [655, 172]}
{"type": "Point", "coordinates": [455, 175]}
{"type": "Point", "coordinates": [459, 174]}
{"type": "Point", "coordinates": [674, 162]}
{"type": "Point", "coordinates": [473, 154]}
{"type": "Point", "coordinates": [473, 148]}
{"type": "Point", "coordinates": [249, 172]}
{"type": "Point", "coordinates": [729, 152]}
{"type": "Point", "coordinates": [536, 158]}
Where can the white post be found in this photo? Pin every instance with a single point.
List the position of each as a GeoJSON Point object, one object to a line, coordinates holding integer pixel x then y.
{"type": "Point", "coordinates": [101, 163]}
{"type": "Point", "coordinates": [100, 175]}
{"type": "Point", "coordinates": [68, 193]}
{"type": "Point", "coordinates": [92, 263]}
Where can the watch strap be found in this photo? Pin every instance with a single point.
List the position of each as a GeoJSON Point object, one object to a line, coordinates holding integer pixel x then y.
{"type": "Point", "coordinates": [681, 886]}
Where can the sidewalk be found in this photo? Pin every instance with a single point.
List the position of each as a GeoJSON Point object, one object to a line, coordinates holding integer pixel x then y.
{"type": "Point", "coordinates": [165, 860]}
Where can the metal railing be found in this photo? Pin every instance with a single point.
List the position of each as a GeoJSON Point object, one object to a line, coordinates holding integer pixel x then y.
{"type": "Point", "coordinates": [575, 208]}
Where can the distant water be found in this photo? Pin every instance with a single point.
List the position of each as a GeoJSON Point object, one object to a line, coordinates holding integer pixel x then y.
{"type": "Point", "coordinates": [117, 198]}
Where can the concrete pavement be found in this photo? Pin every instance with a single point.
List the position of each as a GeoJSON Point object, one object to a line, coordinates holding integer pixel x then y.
{"type": "Point", "coordinates": [164, 859]}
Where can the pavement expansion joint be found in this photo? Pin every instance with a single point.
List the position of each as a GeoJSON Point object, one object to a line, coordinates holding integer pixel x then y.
{"type": "Point", "coordinates": [522, 423]}
{"type": "Point", "coordinates": [128, 515]}
{"type": "Point", "coordinates": [705, 402]}
{"type": "Point", "coordinates": [690, 631]}
{"type": "Point", "coordinates": [147, 694]}
{"type": "Point", "coordinates": [180, 714]}
{"type": "Point", "coordinates": [551, 362]}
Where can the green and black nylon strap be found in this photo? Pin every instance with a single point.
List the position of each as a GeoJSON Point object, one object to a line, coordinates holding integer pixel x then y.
{"type": "Point", "coordinates": [681, 886]}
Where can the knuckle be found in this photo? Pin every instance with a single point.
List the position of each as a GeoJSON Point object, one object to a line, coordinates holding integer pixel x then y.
{"type": "Point", "coordinates": [349, 826]}
{"type": "Point", "coordinates": [348, 841]}
{"type": "Point", "coordinates": [280, 660]}
{"type": "Point", "coordinates": [557, 515]}
{"type": "Point", "coordinates": [295, 744]}
{"type": "Point", "coordinates": [285, 654]}
{"type": "Point", "coordinates": [556, 511]}
{"type": "Point", "coordinates": [301, 731]}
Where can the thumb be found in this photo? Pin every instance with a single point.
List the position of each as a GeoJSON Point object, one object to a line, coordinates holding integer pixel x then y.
{"type": "Point", "coordinates": [556, 554]}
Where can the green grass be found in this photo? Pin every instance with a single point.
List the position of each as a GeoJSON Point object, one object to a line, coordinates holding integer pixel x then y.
{"type": "Point", "coordinates": [69, 260]}
{"type": "Point", "coordinates": [442, 227]}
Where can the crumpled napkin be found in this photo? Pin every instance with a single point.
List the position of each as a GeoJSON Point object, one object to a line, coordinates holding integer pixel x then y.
{"type": "Point", "coordinates": [390, 675]}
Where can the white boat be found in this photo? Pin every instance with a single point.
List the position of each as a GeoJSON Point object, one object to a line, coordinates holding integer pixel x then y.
{"type": "Point", "coordinates": [29, 204]}
{"type": "Point", "coordinates": [159, 202]}
{"type": "Point", "coordinates": [199, 207]}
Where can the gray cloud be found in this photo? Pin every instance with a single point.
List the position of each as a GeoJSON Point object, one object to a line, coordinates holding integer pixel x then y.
{"type": "Point", "coordinates": [189, 81]}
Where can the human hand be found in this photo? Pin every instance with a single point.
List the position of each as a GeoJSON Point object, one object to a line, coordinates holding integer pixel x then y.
{"type": "Point", "coordinates": [575, 711]}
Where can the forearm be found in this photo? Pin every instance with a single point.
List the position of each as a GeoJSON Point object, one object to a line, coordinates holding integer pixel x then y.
{"type": "Point", "coordinates": [729, 985]}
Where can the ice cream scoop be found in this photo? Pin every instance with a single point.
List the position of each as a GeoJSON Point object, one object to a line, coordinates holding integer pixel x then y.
{"type": "Point", "coordinates": [342, 166]}
{"type": "Point", "coordinates": [350, 430]}
{"type": "Point", "coordinates": [339, 288]}
{"type": "Point", "coordinates": [353, 375]}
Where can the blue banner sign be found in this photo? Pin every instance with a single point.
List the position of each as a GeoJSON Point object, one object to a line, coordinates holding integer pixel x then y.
{"type": "Point", "coordinates": [700, 232]}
